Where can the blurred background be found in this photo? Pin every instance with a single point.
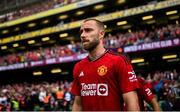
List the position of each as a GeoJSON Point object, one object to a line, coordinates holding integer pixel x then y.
{"type": "Point", "coordinates": [40, 43]}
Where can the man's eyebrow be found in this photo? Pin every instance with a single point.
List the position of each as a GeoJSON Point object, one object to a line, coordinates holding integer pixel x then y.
{"type": "Point", "coordinates": [89, 28]}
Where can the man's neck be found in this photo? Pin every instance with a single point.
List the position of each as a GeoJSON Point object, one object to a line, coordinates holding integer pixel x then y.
{"type": "Point", "coordinates": [96, 53]}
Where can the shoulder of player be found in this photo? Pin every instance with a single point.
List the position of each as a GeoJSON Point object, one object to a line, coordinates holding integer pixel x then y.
{"type": "Point", "coordinates": [80, 63]}
{"type": "Point", "coordinates": [78, 68]}
{"type": "Point", "coordinates": [119, 57]}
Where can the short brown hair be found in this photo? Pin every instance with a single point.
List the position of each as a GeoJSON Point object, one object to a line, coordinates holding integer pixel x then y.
{"type": "Point", "coordinates": [99, 23]}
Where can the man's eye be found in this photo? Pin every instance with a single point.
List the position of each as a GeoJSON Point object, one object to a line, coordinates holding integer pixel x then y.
{"type": "Point", "coordinates": [88, 30]}
{"type": "Point", "coordinates": [85, 30]}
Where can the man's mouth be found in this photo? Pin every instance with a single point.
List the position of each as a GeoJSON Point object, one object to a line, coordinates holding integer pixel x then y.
{"type": "Point", "coordinates": [83, 41]}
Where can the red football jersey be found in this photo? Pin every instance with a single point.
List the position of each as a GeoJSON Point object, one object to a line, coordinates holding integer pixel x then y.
{"type": "Point", "coordinates": [102, 82]}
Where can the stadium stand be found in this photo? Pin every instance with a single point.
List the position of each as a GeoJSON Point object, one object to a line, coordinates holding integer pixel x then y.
{"type": "Point", "coordinates": [35, 96]}
{"type": "Point", "coordinates": [35, 8]}
{"type": "Point", "coordinates": [45, 95]}
{"type": "Point", "coordinates": [111, 41]}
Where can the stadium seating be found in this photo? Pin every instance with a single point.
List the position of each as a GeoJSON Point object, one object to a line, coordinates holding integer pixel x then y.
{"type": "Point", "coordinates": [111, 41]}
{"type": "Point", "coordinates": [49, 4]}
{"type": "Point", "coordinates": [43, 95]}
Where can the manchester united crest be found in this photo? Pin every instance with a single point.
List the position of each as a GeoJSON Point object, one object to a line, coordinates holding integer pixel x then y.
{"type": "Point", "coordinates": [102, 70]}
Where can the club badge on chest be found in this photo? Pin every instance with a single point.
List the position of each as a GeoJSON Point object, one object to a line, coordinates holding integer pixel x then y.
{"type": "Point", "coordinates": [102, 70]}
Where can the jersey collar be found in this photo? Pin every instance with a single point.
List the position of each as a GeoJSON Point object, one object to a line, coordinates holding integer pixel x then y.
{"type": "Point", "coordinates": [92, 60]}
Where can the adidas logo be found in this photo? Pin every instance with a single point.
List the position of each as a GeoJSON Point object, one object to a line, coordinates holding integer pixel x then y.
{"type": "Point", "coordinates": [81, 74]}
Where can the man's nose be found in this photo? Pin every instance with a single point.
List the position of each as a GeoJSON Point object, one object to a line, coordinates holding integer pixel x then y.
{"type": "Point", "coordinates": [83, 35]}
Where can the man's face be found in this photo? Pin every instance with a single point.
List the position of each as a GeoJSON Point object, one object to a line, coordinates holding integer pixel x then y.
{"type": "Point", "coordinates": [90, 35]}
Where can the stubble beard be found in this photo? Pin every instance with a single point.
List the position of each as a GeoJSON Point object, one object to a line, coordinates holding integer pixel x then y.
{"type": "Point", "coordinates": [90, 46]}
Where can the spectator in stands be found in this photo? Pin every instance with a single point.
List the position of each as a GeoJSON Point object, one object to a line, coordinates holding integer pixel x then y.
{"type": "Point", "coordinates": [60, 98]}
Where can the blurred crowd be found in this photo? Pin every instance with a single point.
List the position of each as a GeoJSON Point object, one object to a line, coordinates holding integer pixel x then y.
{"type": "Point", "coordinates": [142, 36]}
{"type": "Point", "coordinates": [166, 86]}
{"type": "Point", "coordinates": [42, 54]}
{"type": "Point", "coordinates": [56, 96]}
{"type": "Point", "coordinates": [50, 4]}
{"type": "Point", "coordinates": [110, 41]}
{"type": "Point", "coordinates": [25, 96]}
{"type": "Point", "coordinates": [35, 8]}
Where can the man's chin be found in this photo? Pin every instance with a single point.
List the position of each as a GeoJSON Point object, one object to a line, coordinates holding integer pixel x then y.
{"type": "Point", "coordinates": [86, 47]}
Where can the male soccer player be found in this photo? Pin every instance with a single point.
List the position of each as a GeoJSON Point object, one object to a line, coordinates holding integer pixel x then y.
{"type": "Point", "coordinates": [102, 80]}
{"type": "Point", "coordinates": [145, 94]}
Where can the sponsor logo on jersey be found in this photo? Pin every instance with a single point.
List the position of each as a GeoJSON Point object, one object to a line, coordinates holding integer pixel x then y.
{"type": "Point", "coordinates": [132, 77]}
{"type": "Point", "coordinates": [81, 74]}
{"type": "Point", "coordinates": [102, 70]}
{"type": "Point", "coordinates": [148, 91]}
{"type": "Point", "coordinates": [94, 89]}
{"type": "Point", "coordinates": [102, 90]}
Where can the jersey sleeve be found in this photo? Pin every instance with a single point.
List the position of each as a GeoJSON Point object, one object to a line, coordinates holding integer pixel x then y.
{"type": "Point", "coordinates": [75, 90]}
{"type": "Point", "coordinates": [147, 93]}
{"type": "Point", "coordinates": [126, 75]}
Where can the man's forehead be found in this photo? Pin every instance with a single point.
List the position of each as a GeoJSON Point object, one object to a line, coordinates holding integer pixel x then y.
{"type": "Point", "coordinates": [88, 24]}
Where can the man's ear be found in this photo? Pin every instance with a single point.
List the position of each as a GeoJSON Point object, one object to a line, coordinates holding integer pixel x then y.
{"type": "Point", "coordinates": [102, 33]}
